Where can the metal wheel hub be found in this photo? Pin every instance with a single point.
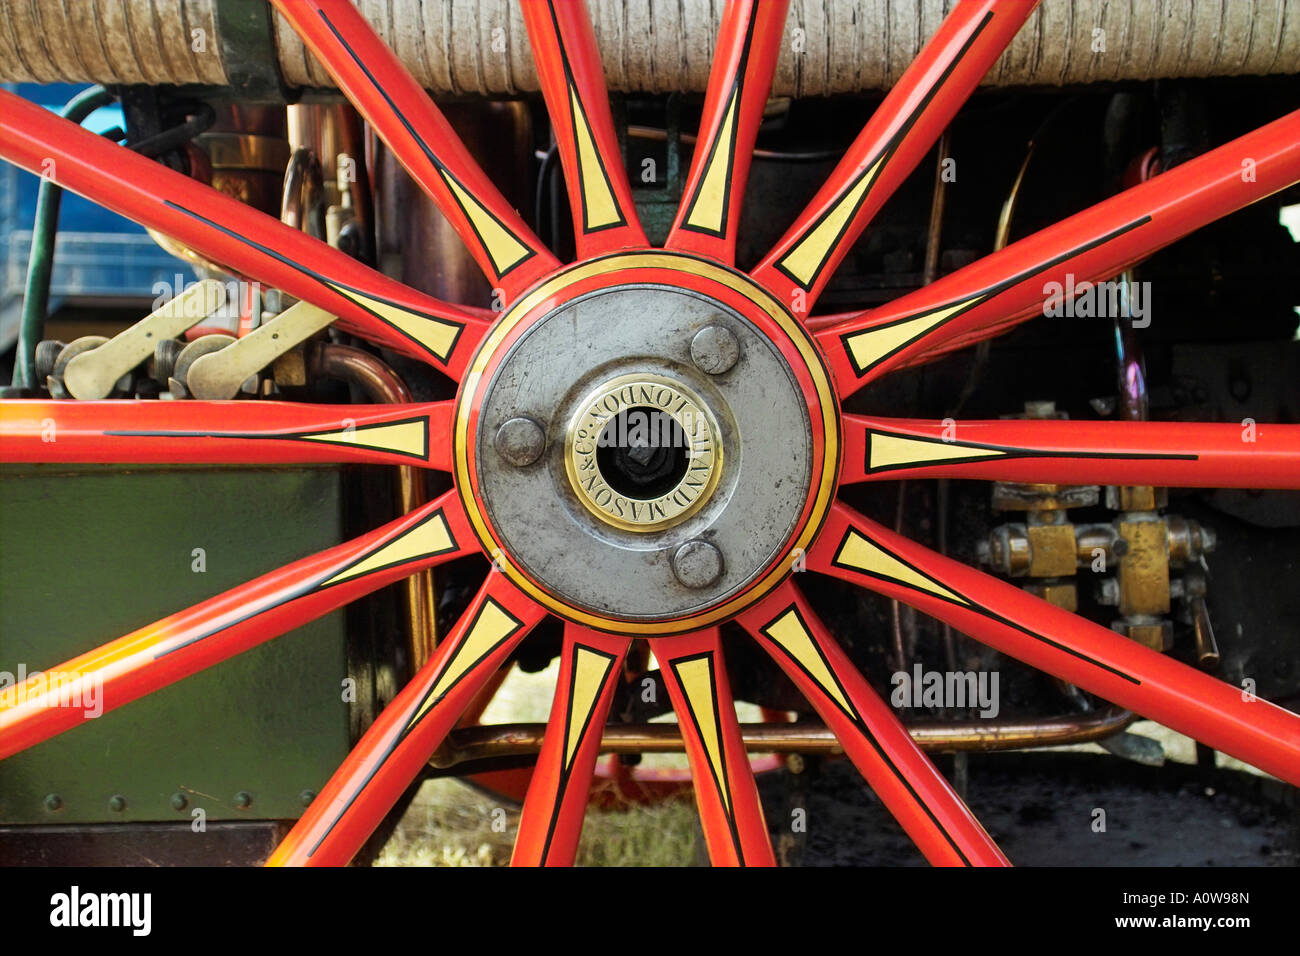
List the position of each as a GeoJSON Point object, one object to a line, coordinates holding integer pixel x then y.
{"type": "Point", "coordinates": [645, 471]}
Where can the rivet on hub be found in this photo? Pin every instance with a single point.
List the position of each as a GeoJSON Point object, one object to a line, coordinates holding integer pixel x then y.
{"type": "Point", "coordinates": [521, 441]}
{"type": "Point", "coordinates": [697, 564]}
{"type": "Point", "coordinates": [714, 349]}
{"type": "Point", "coordinates": [117, 803]}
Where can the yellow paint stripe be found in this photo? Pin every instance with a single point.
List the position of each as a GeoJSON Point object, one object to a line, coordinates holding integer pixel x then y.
{"type": "Point", "coordinates": [711, 199]}
{"type": "Point", "coordinates": [892, 450]}
{"type": "Point", "coordinates": [436, 335]}
{"type": "Point", "coordinates": [809, 253]}
{"type": "Point", "coordinates": [431, 536]}
{"type": "Point", "coordinates": [789, 632]}
{"type": "Point", "coordinates": [696, 678]}
{"type": "Point", "coordinates": [406, 438]}
{"type": "Point", "coordinates": [863, 555]}
{"type": "Point", "coordinates": [870, 346]}
{"type": "Point", "coordinates": [503, 247]}
{"type": "Point", "coordinates": [598, 202]}
{"type": "Point", "coordinates": [590, 670]}
{"type": "Point", "coordinates": [492, 626]}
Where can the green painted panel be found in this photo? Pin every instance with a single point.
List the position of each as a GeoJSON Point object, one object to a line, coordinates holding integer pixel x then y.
{"type": "Point", "coordinates": [88, 554]}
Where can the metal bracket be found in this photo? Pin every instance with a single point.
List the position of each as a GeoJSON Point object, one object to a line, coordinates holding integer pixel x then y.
{"type": "Point", "coordinates": [220, 375]}
{"type": "Point", "coordinates": [91, 375]}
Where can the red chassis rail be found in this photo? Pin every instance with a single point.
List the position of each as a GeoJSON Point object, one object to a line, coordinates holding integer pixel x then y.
{"type": "Point", "coordinates": [1168, 454]}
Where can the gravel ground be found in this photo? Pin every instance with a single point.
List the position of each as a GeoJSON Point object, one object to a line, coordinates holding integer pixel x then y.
{"type": "Point", "coordinates": [1041, 808]}
{"type": "Point", "coordinates": [1042, 811]}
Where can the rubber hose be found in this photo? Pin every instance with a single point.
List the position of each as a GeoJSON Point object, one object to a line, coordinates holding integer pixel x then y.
{"type": "Point", "coordinates": [40, 262]}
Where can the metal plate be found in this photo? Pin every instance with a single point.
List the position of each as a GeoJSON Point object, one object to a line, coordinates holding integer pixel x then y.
{"type": "Point", "coordinates": [644, 330]}
{"type": "Point", "coordinates": [91, 553]}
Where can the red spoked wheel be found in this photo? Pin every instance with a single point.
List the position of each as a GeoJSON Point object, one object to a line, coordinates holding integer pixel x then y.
{"type": "Point", "coordinates": [662, 545]}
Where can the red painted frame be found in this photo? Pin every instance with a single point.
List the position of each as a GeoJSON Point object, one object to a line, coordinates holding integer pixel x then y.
{"type": "Point", "coordinates": [976, 302]}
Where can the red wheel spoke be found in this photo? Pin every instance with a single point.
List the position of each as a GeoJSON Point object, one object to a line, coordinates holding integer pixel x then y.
{"type": "Point", "coordinates": [229, 232]}
{"type": "Point", "coordinates": [573, 82]}
{"type": "Point", "coordinates": [739, 82]}
{"type": "Point", "coordinates": [230, 623]}
{"type": "Point", "coordinates": [404, 117]}
{"type": "Point", "coordinates": [895, 139]}
{"type": "Point", "coordinates": [405, 735]}
{"type": "Point", "coordinates": [1168, 454]}
{"type": "Point", "coordinates": [1061, 643]}
{"type": "Point", "coordinates": [228, 433]}
{"type": "Point", "coordinates": [918, 796]}
{"type": "Point", "coordinates": [1012, 284]}
{"type": "Point", "coordinates": [725, 790]}
{"type": "Point", "coordinates": [591, 666]}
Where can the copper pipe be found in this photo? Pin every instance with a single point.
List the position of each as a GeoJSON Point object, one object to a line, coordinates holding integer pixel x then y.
{"type": "Point", "coordinates": [331, 130]}
{"type": "Point", "coordinates": [1207, 648]}
{"type": "Point", "coordinates": [303, 203]}
{"type": "Point", "coordinates": [513, 740]}
{"type": "Point", "coordinates": [895, 608]}
{"type": "Point", "coordinates": [937, 201]}
{"type": "Point", "coordinates": [382, 384]}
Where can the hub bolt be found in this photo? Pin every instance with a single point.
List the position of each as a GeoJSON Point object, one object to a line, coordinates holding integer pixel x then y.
{"type": "Point", "coordinates": [697, 564]}
{"type": "Point", "coordinates": [521, 441]}
{"type": "Point", "coordinates": [714, 349]}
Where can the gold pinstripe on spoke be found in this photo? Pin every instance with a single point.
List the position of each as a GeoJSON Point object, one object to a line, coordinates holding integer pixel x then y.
{"type": "Point", "coordinates": [788, 631]}
{"type": "Point", "coordinates": [710, 201]}
{"type": "Point", "coordinates": [890, 451]}
{"type": "Point", "coordinates": [599, 206]}
{"type": "Point", "coordinates": [859, 554]}
{"type": "Point", "coordinates": [492, 626]}
{"type": "Point", "coordinates": [809, 254]}
{"type": "Point", "coordinates": [870, 346]}
{"type": "Point", "coordinates": [696, 678]}
{"type": "Point", "coordinates": [405, 438]}
{"type": "Point", "coordinates": [590, 669]}
{"type": "Point", "coordinates": [430, 537]}
{"type": "Point", "coordinates": [503, 247]}
{"type": "Point", "coordinates": [436, 335]}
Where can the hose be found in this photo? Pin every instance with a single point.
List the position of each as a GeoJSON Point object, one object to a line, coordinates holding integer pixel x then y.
{"type": "Point", "coordinates": [49, 197]}
{"type": "Point", "coordinates": [40, 262]}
